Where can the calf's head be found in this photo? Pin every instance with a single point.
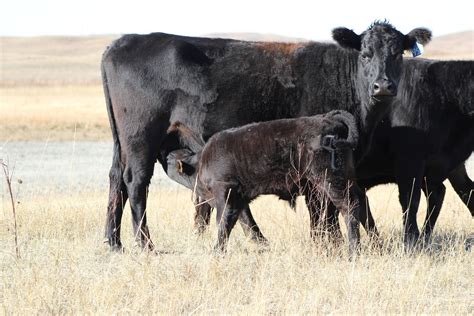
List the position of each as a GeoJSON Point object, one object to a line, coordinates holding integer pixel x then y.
{"type": "Point", "coordinates": [380, 48]}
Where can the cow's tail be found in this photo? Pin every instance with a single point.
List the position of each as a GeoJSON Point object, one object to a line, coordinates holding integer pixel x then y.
{"type": "Point", "coordinates": [352, 132]}
{"type": "Point", "coordinates": [116, 160]}
{"type": "Point", "coordinates": [187, 137]}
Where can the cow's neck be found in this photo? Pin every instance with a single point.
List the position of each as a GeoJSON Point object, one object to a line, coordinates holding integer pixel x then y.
{"type": "Point", "coordinates": [368, 113]}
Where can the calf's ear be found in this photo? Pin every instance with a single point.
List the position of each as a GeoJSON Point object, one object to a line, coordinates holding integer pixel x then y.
{"type": "Point", "coordinates": [420, 35]}
{"type": "Point", "coordinates": [346, 38]}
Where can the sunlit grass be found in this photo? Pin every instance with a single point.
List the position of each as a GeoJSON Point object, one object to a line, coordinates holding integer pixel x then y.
{"type": "Point", "coordinates": [65, 267]}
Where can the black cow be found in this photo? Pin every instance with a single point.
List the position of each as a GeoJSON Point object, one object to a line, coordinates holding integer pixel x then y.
{"type": "Point", "coordinates": [312, 154]}
{"type": "Point", "coordinates": [214, 84]}
{"type": "Point", "coordinates": [425, 139]}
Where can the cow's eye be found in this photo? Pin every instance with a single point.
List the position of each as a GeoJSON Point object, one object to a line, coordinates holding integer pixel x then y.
{"type": "Point", "coordinates": [366, 56]}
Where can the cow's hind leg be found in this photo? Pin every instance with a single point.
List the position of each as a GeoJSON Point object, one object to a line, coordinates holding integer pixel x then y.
{"type": "Point", "coordinates": [434, 197]}
{"type": "Point", "coordinates": [463, 186]}
{"type": "Point", "coordinates": [137, 176]}
{"type": "Point", "coordinates": [117, 199]}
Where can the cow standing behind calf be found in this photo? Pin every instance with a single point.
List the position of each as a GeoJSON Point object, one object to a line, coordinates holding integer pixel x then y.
{"type": "Point", "coordinates": [425, 139]}
{"type": "Point", "coordinates": [303, 155]}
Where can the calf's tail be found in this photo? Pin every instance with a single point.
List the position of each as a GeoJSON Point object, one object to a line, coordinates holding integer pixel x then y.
{"type": "Point", "coordinates": [187, 137]}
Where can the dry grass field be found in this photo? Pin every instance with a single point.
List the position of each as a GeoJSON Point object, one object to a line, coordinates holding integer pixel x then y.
{"type": "Point", "coordinates": [65, 268]}
{"type": "Point", "coordinates": [72, 112]}
{"type": "Point", "coordinates": [50, 90]}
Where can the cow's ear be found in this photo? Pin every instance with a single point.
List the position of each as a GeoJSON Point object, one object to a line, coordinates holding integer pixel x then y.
{"type": "Point", "coordinates": [420, 35]}
{"type": "Point", "coordinates": [346, 38]}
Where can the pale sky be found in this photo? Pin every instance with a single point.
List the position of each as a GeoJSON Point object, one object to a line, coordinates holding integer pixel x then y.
{"type": "Point", "coordinates": [297, 18]}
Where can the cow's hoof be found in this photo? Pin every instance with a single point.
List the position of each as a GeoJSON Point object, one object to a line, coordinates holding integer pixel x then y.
{"type": "Point", "coordinates": [145, 246]}
{"type": "Point", "coordinates": [115, 246]}
{"type": "Point", "coordinates": [410, 242]}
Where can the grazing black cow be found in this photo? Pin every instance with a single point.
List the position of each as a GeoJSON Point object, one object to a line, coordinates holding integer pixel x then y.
{"type": "Point", "coordinates": [274, 157]}
{"type": "Point", "coordinates": [214, 84]}
{"type": "Point", "coordinates": [425, 139]}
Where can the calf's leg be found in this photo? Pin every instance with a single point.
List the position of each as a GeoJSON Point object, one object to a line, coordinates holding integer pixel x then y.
{"type": "Point", "coordinates": [247, 222]}
{"type": "Point", "coordinates": [365, 216]}
{"type": "Point", "coordinates": [315, 208]}
{"type": "Point", "coordinates": [228, 210]}
{"type": "Point", "coordinates": [332, 222]}
{"type": "Point", "coordinates": [348, 200]}
{"type": "Point", "coordinates": [250, 227]}
{"type": "Point", "coordinates": [202, 215]}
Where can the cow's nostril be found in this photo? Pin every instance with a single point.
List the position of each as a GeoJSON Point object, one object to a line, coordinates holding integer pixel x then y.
{"type": "Point", "coordinates": [376, 87]}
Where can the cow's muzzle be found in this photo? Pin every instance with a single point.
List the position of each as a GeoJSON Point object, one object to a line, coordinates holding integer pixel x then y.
{"type": "Point", "coordinates": [384, 88]}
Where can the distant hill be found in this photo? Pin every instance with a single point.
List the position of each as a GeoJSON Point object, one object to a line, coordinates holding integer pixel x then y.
{"type": "Point", "coordinates": [452, 46]}
{"type": "Point", "coordinates": [54, 60]}
{"type": "Point", "coordinates": [75, 60]}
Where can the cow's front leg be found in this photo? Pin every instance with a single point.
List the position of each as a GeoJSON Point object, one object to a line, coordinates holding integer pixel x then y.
{"type": "Point", "coordinates": [409, 177]}
{"type": "Point", "coordinates": [434, 200]}
{"type": "Point", "coordinates": [366, 218]}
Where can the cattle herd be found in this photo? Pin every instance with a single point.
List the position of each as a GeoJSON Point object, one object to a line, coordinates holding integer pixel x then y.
{"type": "Point", "coordinates": [232, 120]}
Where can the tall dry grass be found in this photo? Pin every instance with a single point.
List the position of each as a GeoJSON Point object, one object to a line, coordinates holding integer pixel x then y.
{"type": "Point", "coordinates": [65, 267]}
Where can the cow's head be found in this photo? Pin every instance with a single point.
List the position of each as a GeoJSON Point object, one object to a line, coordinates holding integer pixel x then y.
{"type": "Point", "coordinates": [380, 48]}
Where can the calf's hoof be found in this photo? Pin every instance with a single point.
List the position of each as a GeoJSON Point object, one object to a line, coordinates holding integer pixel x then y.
{"type": "Point", "coordinates": [259, 239]}
{"type": "Point", "coordinates": [199, 230]}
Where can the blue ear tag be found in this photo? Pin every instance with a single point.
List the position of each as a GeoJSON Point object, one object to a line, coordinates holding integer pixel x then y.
{"type": "Point", "coordinates": [417, 49]}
